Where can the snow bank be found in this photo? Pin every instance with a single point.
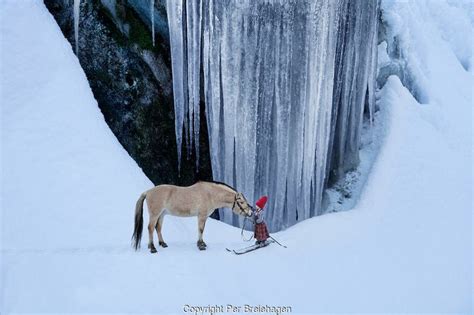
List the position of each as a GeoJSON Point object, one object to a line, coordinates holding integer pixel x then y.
{"type": "Point", "coordinates": [66, 179]}
{"type": "Point", "coordinates": [435, 40]}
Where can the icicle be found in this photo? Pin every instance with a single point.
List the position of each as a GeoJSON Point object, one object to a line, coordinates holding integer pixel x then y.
{"type": "Point", "coordinates": [373, 65]}
{"type": "Point", "coordinates": [174, 10]}
{"type": "Point", "coordinates": [152, 14]}
{"type": "Point", "coordinates": [193, 24]}
{"type": "Point", "coordinates": [76, 9]}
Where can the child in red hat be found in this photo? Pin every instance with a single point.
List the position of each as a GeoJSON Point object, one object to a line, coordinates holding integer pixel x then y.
{"type": "Point", "coordinates": [261, 232]}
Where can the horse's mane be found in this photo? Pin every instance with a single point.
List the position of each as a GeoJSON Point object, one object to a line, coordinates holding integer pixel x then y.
{"type": "Point", "coordinates": [219, 183]}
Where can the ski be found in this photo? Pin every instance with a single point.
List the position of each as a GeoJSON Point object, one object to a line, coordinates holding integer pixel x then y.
{"type": "Point", "coordinates": [249, 248]}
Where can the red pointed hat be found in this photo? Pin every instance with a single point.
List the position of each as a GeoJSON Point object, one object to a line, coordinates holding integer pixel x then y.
{"type": "Point", "coordinates": [261, 202]}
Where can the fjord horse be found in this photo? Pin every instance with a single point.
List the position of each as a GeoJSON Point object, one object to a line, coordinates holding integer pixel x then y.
{"type": "Point", "coordinates": [200, 200]}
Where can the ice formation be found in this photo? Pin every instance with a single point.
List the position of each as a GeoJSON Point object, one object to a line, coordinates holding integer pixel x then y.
{"type": "Point", "coordinates": [152, 14]}
{"type": "Point", "coordinates": [185, 23]}
{"type": "Point", "coordinates": [77, 5]}
{"type": "Point", "coordinates": [286, 84]}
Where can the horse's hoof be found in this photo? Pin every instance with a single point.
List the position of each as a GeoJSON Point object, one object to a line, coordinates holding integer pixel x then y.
{"type": "Point", "coordinates": [163, 244]}
{"type": "Point", "coordinates": [201, 245]}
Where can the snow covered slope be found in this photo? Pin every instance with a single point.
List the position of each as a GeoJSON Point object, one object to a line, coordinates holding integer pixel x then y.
{"type": "Point", "coordinates": [66, 179]}
{"type": "Point", "coordinates": [68, 193]}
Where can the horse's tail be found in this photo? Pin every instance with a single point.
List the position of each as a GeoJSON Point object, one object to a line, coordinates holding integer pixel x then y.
{"type": "Point", "coordinates": [138, 229]}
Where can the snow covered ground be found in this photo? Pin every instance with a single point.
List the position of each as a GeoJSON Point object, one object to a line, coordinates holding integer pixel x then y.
{"type": "Point", "coordinates": [69, 189]}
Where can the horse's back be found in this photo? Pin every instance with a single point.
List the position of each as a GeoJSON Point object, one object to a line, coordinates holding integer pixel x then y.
{"type": "Point", "coordinates": [178, 200]}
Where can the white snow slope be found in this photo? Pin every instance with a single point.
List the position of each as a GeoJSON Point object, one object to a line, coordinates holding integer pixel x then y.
{"type": "Point", "coordinates": [69, 189]}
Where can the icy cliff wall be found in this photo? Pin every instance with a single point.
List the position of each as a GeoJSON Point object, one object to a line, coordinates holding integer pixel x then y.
{"type": "Point", "coordinates": [285, 87]}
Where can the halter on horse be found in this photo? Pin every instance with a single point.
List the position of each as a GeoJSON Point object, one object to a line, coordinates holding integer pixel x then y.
{"type": "Point", "coordinates": [242, 211]}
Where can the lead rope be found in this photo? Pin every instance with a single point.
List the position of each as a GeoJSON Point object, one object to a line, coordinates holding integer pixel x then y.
{"type": "Point", "coordinates": [242, 232]}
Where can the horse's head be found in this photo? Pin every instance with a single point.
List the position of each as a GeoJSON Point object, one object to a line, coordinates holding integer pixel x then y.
{"type": "Point", "coordinates": [241, 205]}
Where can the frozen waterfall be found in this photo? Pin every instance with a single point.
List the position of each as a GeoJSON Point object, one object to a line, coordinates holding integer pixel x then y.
{"type": "Point", "coordinates": [285, 83]}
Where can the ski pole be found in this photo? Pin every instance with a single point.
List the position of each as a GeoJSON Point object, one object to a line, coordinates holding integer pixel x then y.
{"type": "Point", "coordinates": [277, 242]}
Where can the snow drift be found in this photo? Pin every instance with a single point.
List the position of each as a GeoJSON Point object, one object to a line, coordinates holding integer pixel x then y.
{"type": "Point", "coordinates": [60, 160]}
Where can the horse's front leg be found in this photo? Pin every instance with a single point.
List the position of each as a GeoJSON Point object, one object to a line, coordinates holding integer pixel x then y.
{"type": "Point", "coordinates": [201, 224]}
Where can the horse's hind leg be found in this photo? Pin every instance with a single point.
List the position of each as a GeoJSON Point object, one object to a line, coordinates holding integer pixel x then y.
{"type": "Point", "coordinates": [151, 228]}
{"type": "Point", "coordinates": [201, 224]}
{"type": "Point", "coordinates": [159, 225]}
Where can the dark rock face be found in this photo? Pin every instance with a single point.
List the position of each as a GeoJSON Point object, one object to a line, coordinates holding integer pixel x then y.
{"type": "Point", "coordinates": [131, 80]}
